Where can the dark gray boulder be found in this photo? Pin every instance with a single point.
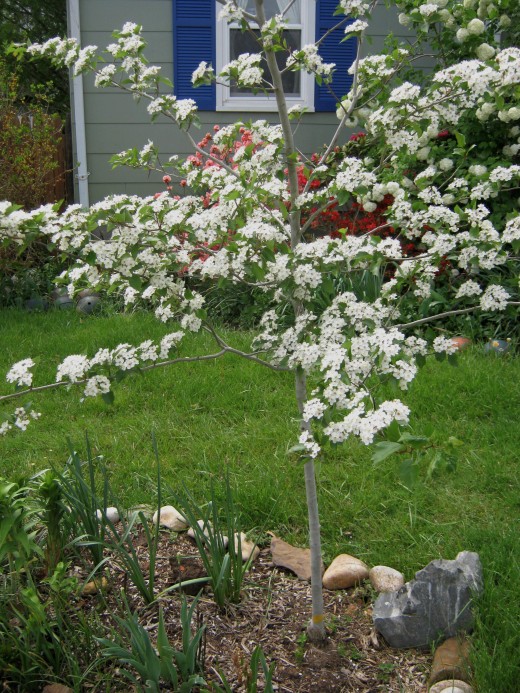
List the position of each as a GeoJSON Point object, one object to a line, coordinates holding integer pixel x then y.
{"type": "Point", "coordinates": [437, 604]}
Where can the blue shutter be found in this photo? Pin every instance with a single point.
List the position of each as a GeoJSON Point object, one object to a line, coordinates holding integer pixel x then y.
{"type": "Point", "coordinates": [333, 51]}
{"type": "Point", "coordinates": [193, 41]}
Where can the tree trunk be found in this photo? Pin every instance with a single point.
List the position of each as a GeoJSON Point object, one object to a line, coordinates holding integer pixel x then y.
{"type": "Point", "coordinates": [316, 626]}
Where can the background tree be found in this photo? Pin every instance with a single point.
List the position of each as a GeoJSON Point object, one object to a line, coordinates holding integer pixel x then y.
{"type": "Point", "coordinates": [34, 22]}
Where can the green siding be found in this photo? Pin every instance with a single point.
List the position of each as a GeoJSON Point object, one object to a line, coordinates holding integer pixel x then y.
{"type": "Point", "coordinates": [115, 122]}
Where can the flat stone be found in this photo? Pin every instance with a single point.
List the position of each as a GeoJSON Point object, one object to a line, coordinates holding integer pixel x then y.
{"type": "Point", "coordinates": [248, 548]}
{"type": "Point", "coordinates": [451, 661]}
{"type": "Point", "coordinates": [385, 579]}
{"type": "Point", "coordinates": [437, 604]}
{"type": "Point", "coordinates": [57, 688]}
{"type": "Point", "coordinates": [298, 561]}
{"type": "Point", "coordinates": [170, 518]}
{"type": "Point", "coordinates": [94, 586]}
{"type": "Point", "coordinates": [451, 686]}
{"type": "Point", "coordinates": [344, 571]}
{"type": "Point", "coordinates": [112, 514]}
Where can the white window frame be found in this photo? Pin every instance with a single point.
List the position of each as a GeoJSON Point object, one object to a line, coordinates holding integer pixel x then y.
{"type": "Point", "coordinates": [261, 102]}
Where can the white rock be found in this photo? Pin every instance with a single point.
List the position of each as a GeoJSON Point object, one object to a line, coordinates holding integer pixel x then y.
{"type": "Point", "coordinates": [451, 686]}
{"type": "Point", "coordinates": [203, 526]}
{"type": "Point", "coordinates": [385, 579]}
{"type": "Point", "coordinates": [248, 548]}
{"type": "Point", "coordinates": [170, 518]}
{"type": "Point", "coordinates": [344, 571]}
{"type": "Point", "coordinates": [111, 514]}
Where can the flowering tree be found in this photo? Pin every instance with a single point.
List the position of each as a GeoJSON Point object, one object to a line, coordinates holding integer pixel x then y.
{"type": "Point", "coordinates": [254, 200]}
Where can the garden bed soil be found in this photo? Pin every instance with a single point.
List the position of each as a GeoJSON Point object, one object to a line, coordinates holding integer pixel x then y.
{"type": "Point", "coordinates": [272, 613]}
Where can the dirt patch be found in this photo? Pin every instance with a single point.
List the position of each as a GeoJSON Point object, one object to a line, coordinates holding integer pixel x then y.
{"type": "Point", "coordinates": [272, 613]}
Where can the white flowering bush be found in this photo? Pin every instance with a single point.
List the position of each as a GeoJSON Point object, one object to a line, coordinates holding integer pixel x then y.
{"type": "Point", "coordinates": [245, 220]}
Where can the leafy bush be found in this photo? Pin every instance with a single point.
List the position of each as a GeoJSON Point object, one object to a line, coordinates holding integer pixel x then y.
{"type": "Point", "coordinates": [29, 142]}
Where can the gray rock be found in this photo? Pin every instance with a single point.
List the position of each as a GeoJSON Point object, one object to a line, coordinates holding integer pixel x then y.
{"type": "Point", "coordinates": [88, 304]}
{"type": "Point", "coordinates": [436, 604]}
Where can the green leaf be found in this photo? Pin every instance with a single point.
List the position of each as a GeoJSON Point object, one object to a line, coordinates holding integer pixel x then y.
{"type": "Point", "coordinates": [461, 140]}
{"type": "Point", "coordinates": [409, 472]}
{"type": "Point", "coordinates": [453, 359]}
{"type": "Point", "coordinates": [393, 432]}
{"type": "Point", "coordinates": [135, 282]}
{"type": "Point", "coordinates": [296, 448]}
{"type": "Point", "coordinates": [384, 449]}
{"type": "Point", "coordinates": [108, 397]}
{"type": "Point", "coordinates": [414, 441]}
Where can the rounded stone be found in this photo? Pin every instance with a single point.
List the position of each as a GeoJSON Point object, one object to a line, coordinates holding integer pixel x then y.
{"type": "Point", "coordinates": [497, 346]}
{"type": "Point", "coordinates": [58, 291]}
{"type": "Point", "coordinates": [64, 302]}
{"type": "Point", "coordinates": [204, 527]}
{"type": "Point", "coordinates": [111, 514]}
{"type": "Point", "coordinates": [460, 342]}
{"type": "Point", "coordinates": [88, 304]}
{"type": "Point", "coordinates": [86, 292]}
{"type": "Point", "coordinates": [451, 686]}
{"type": "Point", "coordinates": [451, 661]}
{"type": "Point", "coordinates": [248, 549]}
{"type": "Point", "coordinates": [385, 579]}
{"type": "Point", "coordinates": [36, 303]}
{"type": "Point", "coordinates": [344, 571]}
{"type": "Point", "coordinates": [170, 518]}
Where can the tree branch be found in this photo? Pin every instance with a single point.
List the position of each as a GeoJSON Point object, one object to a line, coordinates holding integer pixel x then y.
{"type": "Point", "coordinates": [447, 314]}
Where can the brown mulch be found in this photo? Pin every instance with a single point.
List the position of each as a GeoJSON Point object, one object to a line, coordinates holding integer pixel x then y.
{"type": "Point", "coordinates": [272, 613]}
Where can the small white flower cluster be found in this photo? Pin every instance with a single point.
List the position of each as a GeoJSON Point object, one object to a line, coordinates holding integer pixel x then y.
{"type": "Point", "coordinates": [231, 12]}
{"type": "Point", "coordinates": [20, 374]}
{"type": "Point", "coordinates": [105, 76]}
{"type": "Point", "coordinates": [494, 298]}
{"type": "Point", "coordinates": [60, 50]}
{"type": "Point", "coordinates": [21, 418]}
{"type": "Point", "coordinates": [309, 58]}
{"type": "Point", "coordinates": [355, 8]}
{"type": "Point", "coordinates": [512, 230]}
{"type": "Point", "coordinates": [469, 288]}
{"type": "Point", "coordinates": [246, 70]}
{"type": "Point", "coordinates": [84, 59]}
{"type": "Point", "coordinates": [367, 424]}
{"type": "Point", "coordinates": [444, 345]}
{"type": "Point", "coordinates": [356, 27]}
{"type": "Point", "coordinates": [129, 41]}
{"type": "Point", "coordinates": [73, 368]}
{"type": "Point", "coordinates": [97, 385]}
{"type": "Point", "coordinates": [204, 73]}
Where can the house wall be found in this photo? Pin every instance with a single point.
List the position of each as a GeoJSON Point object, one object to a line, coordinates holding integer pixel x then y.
{"type": "Point", "coordinates": [114, 121]}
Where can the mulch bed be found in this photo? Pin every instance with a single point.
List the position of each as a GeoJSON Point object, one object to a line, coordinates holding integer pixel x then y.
{"type": "Point", "coordinates": [273, 612]}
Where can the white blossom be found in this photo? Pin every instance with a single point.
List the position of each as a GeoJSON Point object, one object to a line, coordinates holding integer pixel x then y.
{"type": "Point", "coordinates": [20, 374]}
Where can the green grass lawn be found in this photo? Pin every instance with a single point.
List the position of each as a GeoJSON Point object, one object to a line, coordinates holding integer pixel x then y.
{"type": "Point", "coordinates": [234, 416]}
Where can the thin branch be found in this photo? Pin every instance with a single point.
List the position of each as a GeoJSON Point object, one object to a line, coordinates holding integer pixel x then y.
{"type": "Point", "coordinates": [447, 314]}
{"type": "Point", "coordinates": [252, 356]}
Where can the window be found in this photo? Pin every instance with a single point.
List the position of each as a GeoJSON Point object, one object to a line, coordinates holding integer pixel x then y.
{"type": "Point", "coordinates": [232, 42]}
{"type": "Point", "coordinates": [198, 36]}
